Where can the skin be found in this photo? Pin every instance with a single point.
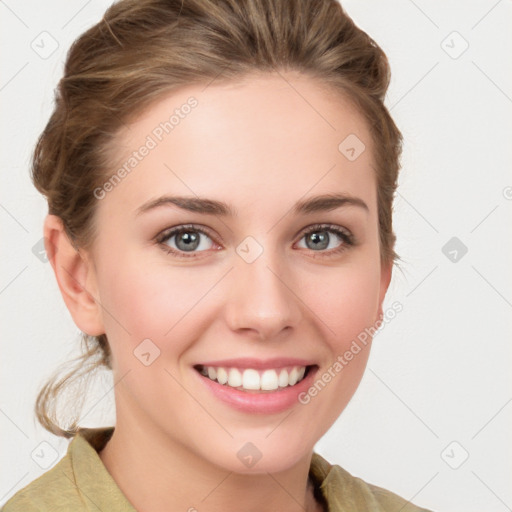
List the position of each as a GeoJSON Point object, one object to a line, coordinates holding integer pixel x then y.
{"type": "Point", "coordinates": [261, 146]}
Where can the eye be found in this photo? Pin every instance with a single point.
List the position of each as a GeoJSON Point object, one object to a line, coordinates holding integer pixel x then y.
{"type": "Point", "coordinates": [318, 238]}
{"type": "Point", "coordinates": [187, 239]}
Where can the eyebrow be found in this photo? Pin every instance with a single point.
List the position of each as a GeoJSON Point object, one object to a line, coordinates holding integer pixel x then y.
{"type": "Point", "coordinates": [320, 203]}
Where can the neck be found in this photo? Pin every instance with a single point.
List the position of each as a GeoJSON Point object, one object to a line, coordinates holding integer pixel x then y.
{"type": "Point", "coordinates": [168, 476]}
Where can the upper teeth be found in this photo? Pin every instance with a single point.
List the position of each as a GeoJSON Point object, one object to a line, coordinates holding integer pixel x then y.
{"type": "Point", "coordinates": [253, 379]}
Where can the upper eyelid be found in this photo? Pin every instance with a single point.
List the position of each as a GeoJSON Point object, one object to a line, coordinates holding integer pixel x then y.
{"type": "Point", "coordinates": [169, 232]}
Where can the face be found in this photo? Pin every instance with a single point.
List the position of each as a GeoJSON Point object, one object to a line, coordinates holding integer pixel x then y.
{"type": "Point", "coordinates": [265, 279]}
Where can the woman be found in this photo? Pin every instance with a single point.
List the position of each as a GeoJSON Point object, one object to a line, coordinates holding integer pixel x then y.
{"type": "Point", "coordinates": [220, 177]}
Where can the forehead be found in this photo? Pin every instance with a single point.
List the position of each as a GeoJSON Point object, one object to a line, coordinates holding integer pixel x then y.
{"type": "Point", "coordinates": [266, 137]}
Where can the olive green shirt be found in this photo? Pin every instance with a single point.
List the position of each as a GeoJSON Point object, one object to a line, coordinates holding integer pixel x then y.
{"type": "Point", "coordinates": [81, 482]}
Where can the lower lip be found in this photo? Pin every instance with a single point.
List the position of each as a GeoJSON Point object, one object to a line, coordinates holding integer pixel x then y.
{"type": "Point", "coordinates": [264, 403]}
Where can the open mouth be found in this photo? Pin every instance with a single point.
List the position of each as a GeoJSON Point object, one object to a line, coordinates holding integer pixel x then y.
{"type": "Point", "coordinates": [256, 381]}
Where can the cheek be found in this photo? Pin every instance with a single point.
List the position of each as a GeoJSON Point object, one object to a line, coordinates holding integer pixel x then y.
{"type": "Point", "coordinates": [152, 301]}
{"type": "Point", "coordinates": [345, 302]}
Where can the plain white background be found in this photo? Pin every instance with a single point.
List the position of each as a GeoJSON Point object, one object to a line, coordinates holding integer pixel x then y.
{"type": "Point", "coordinates": [431, 418]}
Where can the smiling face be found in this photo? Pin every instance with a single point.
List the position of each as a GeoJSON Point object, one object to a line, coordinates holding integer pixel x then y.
{"type": "Point", "coordinates": [257, 280]}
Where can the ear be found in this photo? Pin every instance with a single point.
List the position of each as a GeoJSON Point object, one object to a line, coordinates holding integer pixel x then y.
{"type": "Point", "coordinates": [75, 276]}
{"type": "Point", "coordinates": [385, 279]}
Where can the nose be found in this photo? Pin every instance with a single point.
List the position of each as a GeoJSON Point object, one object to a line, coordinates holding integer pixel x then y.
{"type": "Point", "coordinates": [263, 299]}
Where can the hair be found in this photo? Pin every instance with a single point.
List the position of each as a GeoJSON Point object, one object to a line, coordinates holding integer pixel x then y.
{"type": "Point", "coordinates": [141, 51]}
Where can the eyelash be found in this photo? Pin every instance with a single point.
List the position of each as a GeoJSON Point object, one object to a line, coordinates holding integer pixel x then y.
{"type": "Point", "coordinates": [347, 238]}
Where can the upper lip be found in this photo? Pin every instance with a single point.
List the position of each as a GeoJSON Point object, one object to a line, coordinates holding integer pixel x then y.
{"type": "Point", "coordinates": [261, 364]}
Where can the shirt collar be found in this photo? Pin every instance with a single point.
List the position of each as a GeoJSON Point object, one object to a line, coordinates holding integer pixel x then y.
{"type": "Point", "coordinates": [101, 491]}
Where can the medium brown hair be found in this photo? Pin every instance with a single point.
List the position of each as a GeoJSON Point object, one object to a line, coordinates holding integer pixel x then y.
{"type": "Point", "coordinates": [141, 51]}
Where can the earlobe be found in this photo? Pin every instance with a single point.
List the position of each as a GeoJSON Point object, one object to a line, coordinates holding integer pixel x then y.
{"type": "Point", "coordinates": [75, 277]}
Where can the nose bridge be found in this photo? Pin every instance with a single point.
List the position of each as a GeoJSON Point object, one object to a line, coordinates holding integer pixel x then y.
{"type": "Point", "coordinates": [261, 297]}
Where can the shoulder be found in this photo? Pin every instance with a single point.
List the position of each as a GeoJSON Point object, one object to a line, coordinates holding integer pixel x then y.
{"type": "Point", "coordinates": [343, 491]}
{"type": "Point", "coordinates": [47, 491]}
{"type": "Point", "coordinates": [78, 480]}
{"type": "Point", "coordinates": [389, 501]}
